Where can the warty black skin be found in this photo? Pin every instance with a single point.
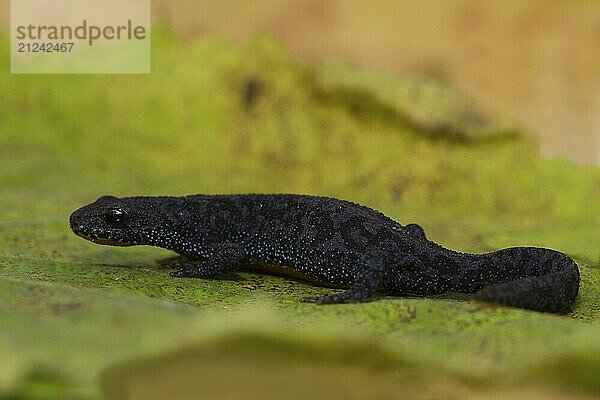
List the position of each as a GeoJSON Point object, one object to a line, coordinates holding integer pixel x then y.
{"type": "Point", "coordinates": [330, 242]}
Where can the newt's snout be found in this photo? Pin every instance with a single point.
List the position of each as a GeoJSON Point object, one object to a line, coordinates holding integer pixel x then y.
{"type": "Point", "coordinates": [76, 223]}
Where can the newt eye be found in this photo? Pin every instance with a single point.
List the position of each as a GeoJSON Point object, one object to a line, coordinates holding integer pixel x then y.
{"type": "Point", "coordinates": [115, 216]}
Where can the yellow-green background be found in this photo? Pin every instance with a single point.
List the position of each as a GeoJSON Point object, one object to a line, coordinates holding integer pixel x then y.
{"type": "Point", "coordinates": [78, 320]}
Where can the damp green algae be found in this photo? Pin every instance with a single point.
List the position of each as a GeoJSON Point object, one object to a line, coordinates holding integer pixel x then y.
{"type": "Point", "coordinates": [218, 118]}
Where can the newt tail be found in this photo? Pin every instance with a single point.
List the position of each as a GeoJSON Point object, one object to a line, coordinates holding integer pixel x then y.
{"type": "Point", "coordinates": [549, 280]}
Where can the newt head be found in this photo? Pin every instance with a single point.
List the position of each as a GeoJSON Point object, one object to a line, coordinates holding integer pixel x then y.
{"type": "Point", "coordinates": [106, 221]}
{"type": "Point", "coordinates": [124, 221]}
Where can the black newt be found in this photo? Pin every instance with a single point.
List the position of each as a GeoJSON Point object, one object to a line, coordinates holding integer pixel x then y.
{"type": "Point", "coordinates": [334, 243]}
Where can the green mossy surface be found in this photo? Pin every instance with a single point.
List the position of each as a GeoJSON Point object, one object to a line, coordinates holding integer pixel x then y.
{"type": "Point", "coordinates": [218, 118]}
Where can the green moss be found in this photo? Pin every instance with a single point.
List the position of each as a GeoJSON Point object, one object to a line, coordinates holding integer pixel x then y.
{"type": "Point", "coordinates": [427, 104]}
{"type": "Point", "coordinates": [217, 118]}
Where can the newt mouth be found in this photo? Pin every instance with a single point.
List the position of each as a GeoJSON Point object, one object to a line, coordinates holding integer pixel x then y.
{"type": "Point", "coordinates": [97, 240]}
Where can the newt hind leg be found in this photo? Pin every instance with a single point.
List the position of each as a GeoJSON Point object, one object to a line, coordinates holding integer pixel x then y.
{"type": "Point", "coordinates": [368, 282]}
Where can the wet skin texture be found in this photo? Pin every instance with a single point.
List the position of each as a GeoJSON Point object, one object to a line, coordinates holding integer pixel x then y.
{"type": "Point", "coordinates": [330, 242]}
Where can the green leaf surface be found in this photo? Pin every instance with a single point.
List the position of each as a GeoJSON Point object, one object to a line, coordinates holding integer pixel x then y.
{"type": "Point", "coordinates": [78, 320]}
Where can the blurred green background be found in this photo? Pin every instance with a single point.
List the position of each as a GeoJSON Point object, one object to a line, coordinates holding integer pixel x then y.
{"type": "Point", "coordinates": [247, 113]}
